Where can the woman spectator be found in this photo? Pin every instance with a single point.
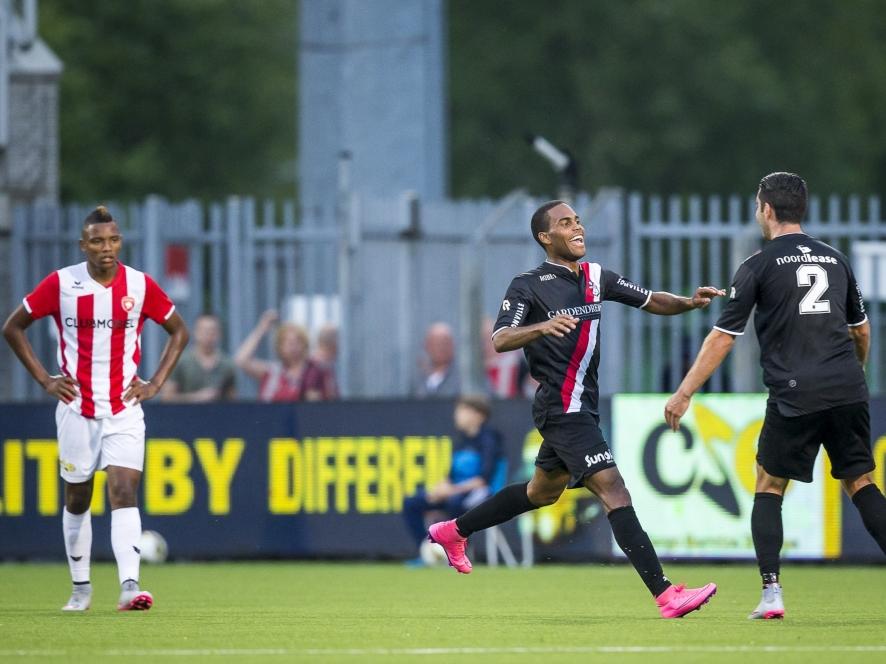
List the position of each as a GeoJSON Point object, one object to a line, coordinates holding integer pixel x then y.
{"type": "Point", "coordinates": [293, 376]}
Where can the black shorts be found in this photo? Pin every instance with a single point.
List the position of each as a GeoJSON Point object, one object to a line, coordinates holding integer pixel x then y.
{"type": "Point", "coordinates": [573, 442]}
{"type": "Point", "coordinates": [788, 445]}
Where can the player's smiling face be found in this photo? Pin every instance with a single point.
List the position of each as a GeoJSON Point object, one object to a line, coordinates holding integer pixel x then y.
{"type": "Point", "coordinates": [101, 243]}
{"type": "Point", "coordinates": [565, 237]}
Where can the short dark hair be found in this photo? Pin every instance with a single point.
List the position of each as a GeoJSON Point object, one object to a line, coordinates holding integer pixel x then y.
{"type": "Point", "coordinates": [477, 402]}
{"type": "Point", "coordinates": [786, 193]}
{"type": "Point", "coordinates": [540, 222]}
{"type": "Point", "coordinates": [100, 215]}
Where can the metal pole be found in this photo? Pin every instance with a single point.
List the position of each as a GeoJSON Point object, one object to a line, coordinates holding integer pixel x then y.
{"type": "Point", "coordinates": [4, 73]}
{"type": "Point", "coordinates": [349, 237]}
{"type": "Point", "coordinates": [153, 266]}
{"type": "Point", "coordinates": [29, 20]}
{"type": "Point", "coordinates": [470, 357]}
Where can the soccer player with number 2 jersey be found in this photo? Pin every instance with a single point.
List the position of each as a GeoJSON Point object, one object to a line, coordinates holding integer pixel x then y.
{"type": "Point", "coordinates": [553, 313]}
{"type": "Point", "coordinates": [814, 338]}
{"type": "Point", "coordinates": [99, 308]}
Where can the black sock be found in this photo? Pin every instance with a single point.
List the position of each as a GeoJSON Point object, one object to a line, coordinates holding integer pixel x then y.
{"type": "Point", "coordinates": [503, 506]}
{"type": "Point", "coordinates": [767, 532]}
{"type": "Point", "coordinates": [634, 541]}
{"type": "Point", "coordinates": [871, 504]}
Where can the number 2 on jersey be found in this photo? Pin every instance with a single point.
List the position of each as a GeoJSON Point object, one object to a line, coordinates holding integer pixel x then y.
{"type": "Point", "coordinates": [814, 277]}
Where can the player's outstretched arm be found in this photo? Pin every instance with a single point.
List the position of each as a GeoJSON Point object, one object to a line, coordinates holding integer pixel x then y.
{"type": "Point", "coordinates": [668, 304]}
{"type": "Point", "coordinates": [63, 388]}
{"type": "Point", "coordinates": [141, 390]}
{"type": "Point", "coordinates": [713, 351]}
{"type": "Point", "coordinates": [512, 338]}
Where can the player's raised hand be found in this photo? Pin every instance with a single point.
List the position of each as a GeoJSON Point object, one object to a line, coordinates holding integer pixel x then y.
{"type": "Point", "coordinates": [559, 326]}
{"type": "Point", "coordinates": [675, 408]}
{"type": "Point", "coordinates": [140, 390]}
{"type": "Point", "coordinates": [704, 295]}
{"type": "Point", "coordinates": [63, 388]}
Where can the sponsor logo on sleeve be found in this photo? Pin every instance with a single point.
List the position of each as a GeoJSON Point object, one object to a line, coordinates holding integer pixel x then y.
{"type": "Point", "coordinates": [627, 284]}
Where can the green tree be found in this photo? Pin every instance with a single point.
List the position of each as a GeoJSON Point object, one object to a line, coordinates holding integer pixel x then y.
{"type": "Point", "coordinates": [177, 97]}
{"type": "Point", "coordinates": [671, 96]}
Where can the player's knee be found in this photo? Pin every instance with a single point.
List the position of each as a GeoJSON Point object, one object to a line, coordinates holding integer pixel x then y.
{"type": "Point", "coordinates": [122, 495]}
{"type": "Point", "coordinates": [77, 503]}
{"type": "Point", "coordinates": [767, 483]}
{"type": "Point", "coordinates": [609, 486]}
{"type": "Point", "coordinates": [78, 498]}
{"type": "Point", "coordinates": [854, 484]}
{"type": "Point", "coordinates": [541, 496]}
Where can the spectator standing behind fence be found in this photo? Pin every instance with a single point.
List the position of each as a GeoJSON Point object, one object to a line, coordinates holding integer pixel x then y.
{"type": "Point", "coordinates": [475, 460]}
{"type": "Point", "coordinates": [326, 354]}
{"type": "Point", "coordinates": [204, 372]}
{"type": "Point", "coordinates": [438, 375]}
{"type": "Point", "coordinates": [293, 376]}
{"type": "Point", "coordinates": [502, 369]}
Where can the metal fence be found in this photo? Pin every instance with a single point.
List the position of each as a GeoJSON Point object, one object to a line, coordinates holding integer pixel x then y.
{"type": "Point", "coordinates": [676, 244]}
{"type": "Point", "coordinates": [384, 269]}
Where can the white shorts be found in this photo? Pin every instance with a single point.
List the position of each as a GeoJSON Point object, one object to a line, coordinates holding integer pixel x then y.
{"type": "Point", "coordinates": [86, 445]}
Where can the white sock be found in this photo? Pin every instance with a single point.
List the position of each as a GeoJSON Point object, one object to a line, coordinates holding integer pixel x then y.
{"type": "Point", "coordinates": [77, 529]}
{"type": "Point", "coordinates": [126, 530]}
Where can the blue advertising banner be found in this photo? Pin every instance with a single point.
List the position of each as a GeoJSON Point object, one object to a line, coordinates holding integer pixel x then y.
{"type": "Point", "coordinates": [328, 480]}
{"type": "Point", "coordinates": [245, 480]}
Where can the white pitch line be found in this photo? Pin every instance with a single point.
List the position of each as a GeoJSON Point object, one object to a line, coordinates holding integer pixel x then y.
{"type": "Point", "coordinates": [517, 650]}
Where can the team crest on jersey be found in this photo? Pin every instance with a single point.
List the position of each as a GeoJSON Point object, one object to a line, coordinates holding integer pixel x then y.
{"type": "Point", "coordinates": [594, 290]}
{"type": "Point", "coordinates": [127, 302]}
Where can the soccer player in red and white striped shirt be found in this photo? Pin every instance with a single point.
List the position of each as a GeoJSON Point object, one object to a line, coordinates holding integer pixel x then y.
{"type": "Point", "coordinates": [99, 308]}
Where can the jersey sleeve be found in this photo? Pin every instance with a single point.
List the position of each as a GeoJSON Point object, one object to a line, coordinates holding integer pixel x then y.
{"type": "Point", "coordinates": [44, 299]}
{"type": "Point", "coordinates": [742, 298]}
{"type": "Point", "coordinates": [618, 289]}
{"type": "Point", "coordinates": [515, 307]}
{"type": "Point", "coordinates": [158, 307]}
{"type": "Point", "coordinates": [855, 313]}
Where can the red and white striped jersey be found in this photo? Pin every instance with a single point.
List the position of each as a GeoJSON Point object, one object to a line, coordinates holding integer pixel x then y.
{"type": "Point", "coordinates": [99, 330]}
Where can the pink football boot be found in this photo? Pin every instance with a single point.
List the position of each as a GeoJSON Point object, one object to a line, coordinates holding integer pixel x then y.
{"type": "Point", "coordinates": [446, 535]}
{"type": "Point", "coordinates": [677, 601]}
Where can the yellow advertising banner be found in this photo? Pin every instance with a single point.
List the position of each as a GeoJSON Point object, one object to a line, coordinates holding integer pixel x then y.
{"type": "Point", "coordinates": [694, 489]}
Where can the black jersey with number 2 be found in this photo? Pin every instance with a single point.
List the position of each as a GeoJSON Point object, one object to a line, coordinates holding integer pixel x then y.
{"type": "Point", "coordinates": [806, 298]}
{"type": "Point", "coordinates": [565, 367]}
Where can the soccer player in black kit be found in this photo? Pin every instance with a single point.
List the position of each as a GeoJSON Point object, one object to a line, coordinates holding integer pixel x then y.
{"type": "Point", "coordinates": [553, 312]}
{"type": "Point", "coordinates": [814, 338]}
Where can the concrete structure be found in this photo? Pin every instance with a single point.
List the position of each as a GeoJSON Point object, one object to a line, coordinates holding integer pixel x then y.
{"type": "Point", "coordinates": [371, 86]}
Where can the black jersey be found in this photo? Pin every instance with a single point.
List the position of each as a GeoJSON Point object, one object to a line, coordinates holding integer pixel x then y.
{"type": "Point", "coordinates": [565, 367]}
{"type": "Point", "coordinates": [806, 296]}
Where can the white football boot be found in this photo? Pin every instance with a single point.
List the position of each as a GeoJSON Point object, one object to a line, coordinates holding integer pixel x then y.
{"type": "Point", "coordinates": [81, 598]}
{"type": "Point", "coordinates": [133, 599]}
{"type": "Point", "coordinates": [771, 604]}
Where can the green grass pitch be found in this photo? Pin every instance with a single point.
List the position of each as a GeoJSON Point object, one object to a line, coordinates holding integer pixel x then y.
{"type": "Point", "coordinates": [319, 612]}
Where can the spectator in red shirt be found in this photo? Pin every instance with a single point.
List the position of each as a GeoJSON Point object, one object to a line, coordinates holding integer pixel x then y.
{"type": "Point", "coordinates": [293, 376]}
